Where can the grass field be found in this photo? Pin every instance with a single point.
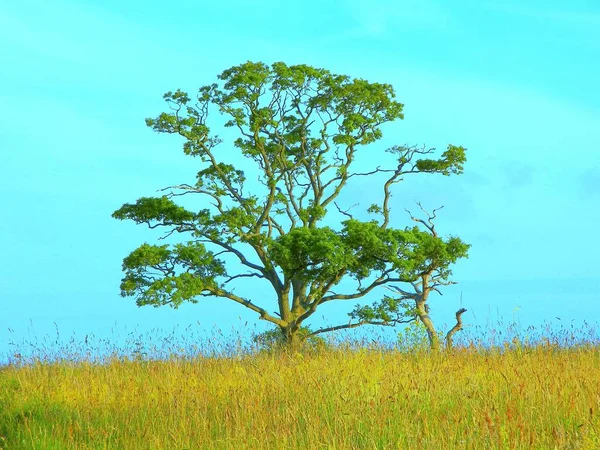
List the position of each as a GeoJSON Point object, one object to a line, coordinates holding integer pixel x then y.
{"type": "Point", "coordinates": [541, 396]}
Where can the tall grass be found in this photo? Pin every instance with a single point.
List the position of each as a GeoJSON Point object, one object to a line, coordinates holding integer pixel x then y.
{"type": "Point", "coordinates": [539, 393]}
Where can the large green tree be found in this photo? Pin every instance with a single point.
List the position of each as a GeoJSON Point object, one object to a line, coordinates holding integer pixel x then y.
{"type": "Point", "coordinates": [298, 130]}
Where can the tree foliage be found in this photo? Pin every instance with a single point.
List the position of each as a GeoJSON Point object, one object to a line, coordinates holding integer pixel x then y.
{"type": "Point", "coordinates": [298, 131]}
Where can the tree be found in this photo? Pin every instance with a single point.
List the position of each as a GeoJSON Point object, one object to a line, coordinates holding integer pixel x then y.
{"type": "Point", "coordinates": [298, 130]}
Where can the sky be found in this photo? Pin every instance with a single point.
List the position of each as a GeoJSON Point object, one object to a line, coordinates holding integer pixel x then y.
{"type": "Point", "coordinates": [515, 82]}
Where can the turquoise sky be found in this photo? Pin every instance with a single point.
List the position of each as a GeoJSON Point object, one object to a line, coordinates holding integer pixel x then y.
{"type": "Point", "coordinates": [516, 82]}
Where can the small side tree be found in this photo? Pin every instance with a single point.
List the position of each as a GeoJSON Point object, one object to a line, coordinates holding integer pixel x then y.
{"type": "Point", "coordinates": [299, 130]}
{"type": "Point", "coordinates": [414, 303]}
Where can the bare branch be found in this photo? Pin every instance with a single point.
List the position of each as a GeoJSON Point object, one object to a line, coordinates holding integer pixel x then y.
{"type": "Point", "coordinates": [264, 315]}
{"type": "Point", "coordinates": [373, 172]}
{"type": "Point", "coordinates": [346, 213]}
{"type": "Point", "coordinates": [383, 279]}
{"type": "Point", "coordinates": [244, 275]}
{"type": "Point", "coordinates": [239, 255]}
{"type": "Point", "coordinates": [179, 229]}
{"type": "Point", "coordinates": [430, 218]}
{"type": "Point", "coordinates": [405, 294]}
{"type": "Point", "coordinates": [360, 324]}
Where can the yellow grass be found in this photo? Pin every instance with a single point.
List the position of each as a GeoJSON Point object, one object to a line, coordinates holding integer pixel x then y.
{"type": "Point", "coordinates": [542, 397]}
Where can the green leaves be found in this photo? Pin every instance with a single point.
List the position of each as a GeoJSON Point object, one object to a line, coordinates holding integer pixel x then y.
{"type": "Point", "coordinates": [219, 172]}
{"type": "Point", "coordinates": [372, 247]}
{"type": "Point", "coordinates": [361, 249]}
{"type": "Point", "coordinates": [374, 209]}
{"type": "Point", "coordinates": [310, 253]}
{"type": "Point", "coordinates": [451, 162]}
{"type": "Point", "coordinates": [425, 253]}
{"type": "Point", "coordinates": [152, 209]}
{"type": "Point", "coordinates": [366, 105]}
{"type": "Point", "coordinates": [159, 275]}
{"type": "Point", "coordinates": [387, 311]}
{"type": "Point", "coordinates": [147, 255]}
{"type": "Point", "coordinates": [243, 82]}
{"type": "Point", "coordinates": [410, 252]}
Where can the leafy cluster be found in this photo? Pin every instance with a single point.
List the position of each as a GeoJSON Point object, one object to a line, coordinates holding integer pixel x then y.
{"type": "Point", "coordinates": [160, 275]}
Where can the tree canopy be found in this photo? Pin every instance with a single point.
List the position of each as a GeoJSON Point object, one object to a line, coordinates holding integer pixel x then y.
{"type": "Point", "coordinates": [298, 132]}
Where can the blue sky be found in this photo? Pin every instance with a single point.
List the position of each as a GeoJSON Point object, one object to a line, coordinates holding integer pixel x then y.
{"type": "Point", "coordinates": [514, 82]}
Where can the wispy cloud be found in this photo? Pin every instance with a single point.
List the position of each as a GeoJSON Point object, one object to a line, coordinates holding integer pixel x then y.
{"type": "Point", "coordinates": [565, 17]}
{"type": "Point", "coordinates": [589, 183]}
{"type": "Point", "coordinates": [517, 174]}
{"type": "Point", "coordinates": [377, 17]}
{"type": "Point", "coordinates": [76, 32]}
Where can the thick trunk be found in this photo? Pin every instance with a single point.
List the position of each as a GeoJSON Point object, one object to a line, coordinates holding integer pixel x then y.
{"type": "Point", "coordinates": [292, 338]}
{"type": "Point", "coordinates": [423, 314]}
{"type": "Point", "coordinates": [292, 333]}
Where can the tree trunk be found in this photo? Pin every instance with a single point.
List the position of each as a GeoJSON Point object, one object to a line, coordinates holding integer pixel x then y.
{"type": "Point", "coordinates": [423, 313]}
{"type": "Point", "coordinates": [292, 338]}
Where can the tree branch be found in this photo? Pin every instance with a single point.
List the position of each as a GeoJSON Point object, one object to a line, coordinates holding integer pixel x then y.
{"type": "Point", "coordinates": [384, 279]}
{"type": "Point", "coordinates": [346, 213]}
{"type": "Point", "coordinates": [360, 324]}
{"type": "Point", "coordinates": [264, 315]}
{"type": "Point", "coordinates": [430, 218]}
{"type": "Point", "coordinates": [244, 275]}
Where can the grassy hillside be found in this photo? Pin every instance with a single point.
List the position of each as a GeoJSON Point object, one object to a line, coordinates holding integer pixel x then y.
{"type": "Point", "coordinates": [541, 397]}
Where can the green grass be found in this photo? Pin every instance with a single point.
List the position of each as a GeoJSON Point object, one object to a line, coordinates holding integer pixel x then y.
{"type": "Point", "coordinates": [542, 396]}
